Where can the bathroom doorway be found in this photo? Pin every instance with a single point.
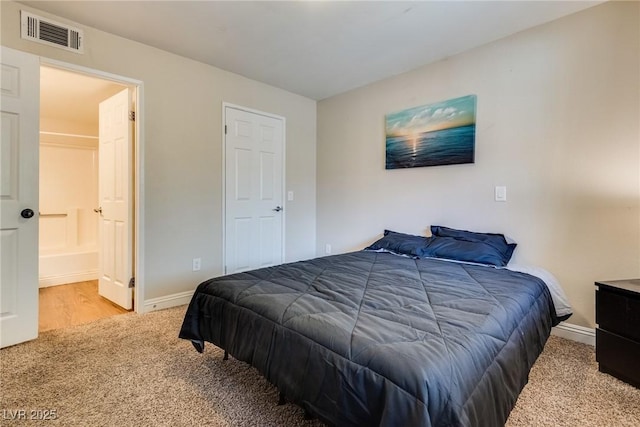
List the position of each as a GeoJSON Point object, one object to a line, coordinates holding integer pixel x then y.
{"type": "Point", "coordinates": [70, 213]}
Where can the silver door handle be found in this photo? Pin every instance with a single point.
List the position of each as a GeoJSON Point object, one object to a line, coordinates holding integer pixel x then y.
{"type": "Point", "coordinates": [277, 209]}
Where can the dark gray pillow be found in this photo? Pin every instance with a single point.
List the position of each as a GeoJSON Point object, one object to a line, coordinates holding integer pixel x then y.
{"type": "Point", "coordinates": [464, 250]}
{"type": "Point", "coordinates": [495, 240]}
{"type": "Point", "coordinates": [402, 244]}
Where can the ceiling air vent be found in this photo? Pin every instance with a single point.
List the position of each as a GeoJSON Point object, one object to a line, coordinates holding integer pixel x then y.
{"type": "Point", "coordinates": [46, 31]}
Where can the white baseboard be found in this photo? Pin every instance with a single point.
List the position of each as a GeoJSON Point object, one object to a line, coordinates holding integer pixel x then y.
{"type": "Point", "coordinates": [64, 279]}
{"type": "Point", "coordinates": [575, 333]}
{"type": "Point", "coordinates": [168, 301]}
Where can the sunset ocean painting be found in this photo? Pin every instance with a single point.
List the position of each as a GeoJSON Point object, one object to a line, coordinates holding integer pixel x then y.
{"type": "Point", "coordinates": [443, 133]}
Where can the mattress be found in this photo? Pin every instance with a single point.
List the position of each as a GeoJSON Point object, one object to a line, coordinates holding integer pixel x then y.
{"type": "Point", "coordinates": [369, 338]}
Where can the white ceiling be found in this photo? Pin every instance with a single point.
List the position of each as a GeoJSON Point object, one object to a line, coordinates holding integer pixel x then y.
{"type": "Point", "coordinates": [313, 48]}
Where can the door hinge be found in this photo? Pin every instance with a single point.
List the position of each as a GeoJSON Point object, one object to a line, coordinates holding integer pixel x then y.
{"type": "Point", "coordinates": [225, 129]}
{"type": "Point", "coordinates": [132, 282]}
{"type": "Point", "coordinates": [132, 116]}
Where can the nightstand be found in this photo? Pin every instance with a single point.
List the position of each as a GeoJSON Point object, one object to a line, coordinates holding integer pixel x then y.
{"type": "Point", "coordinates": [618, 332]}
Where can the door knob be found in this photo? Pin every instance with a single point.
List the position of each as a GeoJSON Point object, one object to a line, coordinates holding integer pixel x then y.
{"type": "Point", "coordinates": [27, 213]}
{"type": "Point", "coordinates": [99, 210]}
{"type": "Point", "coordinates": [278, 209]}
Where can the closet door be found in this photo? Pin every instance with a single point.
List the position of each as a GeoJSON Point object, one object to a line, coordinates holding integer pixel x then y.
{"type": "Point", "coordinates": [254, 177]}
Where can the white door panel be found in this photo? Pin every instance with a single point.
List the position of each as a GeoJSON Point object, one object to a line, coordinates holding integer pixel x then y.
{"type": "Point", "coordinates": [253, 190]}
{"type": "Point", "coordinates": [20, 75]}
{"type": "Point", "coordinates": [242, 244]}
{"type": "Point", "coordinates": [267, 174]}
{"type": "Point", "coordinates": [269, 227]}
{"type": "Point", "coordinates": [116, 163]}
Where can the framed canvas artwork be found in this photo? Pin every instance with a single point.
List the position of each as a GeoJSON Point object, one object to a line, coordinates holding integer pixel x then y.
{"type": "Point", "coordinates": [437, 134]}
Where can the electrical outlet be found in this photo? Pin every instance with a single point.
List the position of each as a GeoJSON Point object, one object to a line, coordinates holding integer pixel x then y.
{"type": "Point", "coordinates": [197, 263]}
{"type": "Point", "coordinates": [327, 249]}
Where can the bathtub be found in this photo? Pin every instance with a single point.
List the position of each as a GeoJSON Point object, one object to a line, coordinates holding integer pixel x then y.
{"type": "Point", "coordinates": [59, 267]}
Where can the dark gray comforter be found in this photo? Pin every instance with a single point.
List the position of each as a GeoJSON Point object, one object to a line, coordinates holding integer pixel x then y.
{"type": "Point", "coordinates": [369, 338]}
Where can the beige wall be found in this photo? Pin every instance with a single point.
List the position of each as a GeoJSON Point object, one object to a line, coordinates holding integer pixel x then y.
{"type": "Point", "coordinates": [557, 122]}
{"type": "Point", "coordinates": [182, 150]}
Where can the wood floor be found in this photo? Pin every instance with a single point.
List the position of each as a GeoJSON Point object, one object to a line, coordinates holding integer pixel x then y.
{"type": "Point", "coordinates": [73, 304]}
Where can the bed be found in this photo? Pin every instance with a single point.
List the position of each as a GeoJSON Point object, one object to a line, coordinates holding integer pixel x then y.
{"type": "Point", "coordinates": [383, 336]}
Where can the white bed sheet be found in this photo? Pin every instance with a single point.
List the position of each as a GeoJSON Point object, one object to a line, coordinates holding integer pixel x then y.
{"type": "Point", "coordinates": [560, 300]}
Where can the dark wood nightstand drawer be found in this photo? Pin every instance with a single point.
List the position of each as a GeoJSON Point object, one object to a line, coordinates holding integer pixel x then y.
{"type": "Point", "coordinates": [633, 317]}
{"type": "Point", "coordinates": [618, 332]}
{"type": "Point", "coordinates": [618, 356]}
{"type": "Point", "coordinates": [618, 312]}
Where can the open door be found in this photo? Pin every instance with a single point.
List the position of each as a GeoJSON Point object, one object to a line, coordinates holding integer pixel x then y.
{"type": "Point", "coordinates": [115, 152]}
{"type": "Point", "coordinates": [20, 101]}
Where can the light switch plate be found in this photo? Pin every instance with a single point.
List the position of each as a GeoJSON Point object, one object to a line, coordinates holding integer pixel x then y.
{"type": "Point", "coordinates": [501, 193]}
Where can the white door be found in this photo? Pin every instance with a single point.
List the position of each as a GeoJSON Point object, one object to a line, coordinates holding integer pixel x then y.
{"type": "Point", "coordinates": [254, 213]}
{"type": "Point", "coordinates": [115, 152]}
{"type": "Point", "coordinates": [20, 106]}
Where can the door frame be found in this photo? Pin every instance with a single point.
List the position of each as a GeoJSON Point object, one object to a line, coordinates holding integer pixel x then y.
{"type": "Point", "coordinates": [226, 105]}
{"type": "Point", "coordinates": [138, 167]}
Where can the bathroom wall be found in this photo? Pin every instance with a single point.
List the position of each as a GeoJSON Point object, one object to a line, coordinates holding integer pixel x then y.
{"type": "Point", "coordinates": [68, 194]}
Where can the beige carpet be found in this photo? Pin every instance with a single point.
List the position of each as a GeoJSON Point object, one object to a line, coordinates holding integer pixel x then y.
{"type": "Point", "coordinates": [132, 370]}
